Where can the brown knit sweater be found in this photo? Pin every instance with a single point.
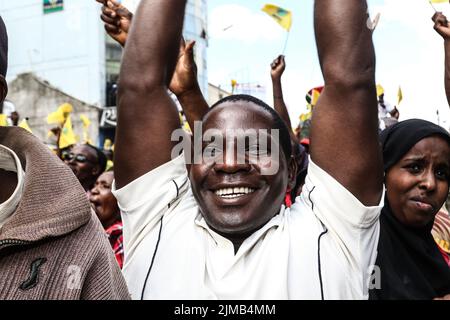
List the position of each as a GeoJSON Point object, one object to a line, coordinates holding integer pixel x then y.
{"type": "Point", "coordinates": [53, 247]}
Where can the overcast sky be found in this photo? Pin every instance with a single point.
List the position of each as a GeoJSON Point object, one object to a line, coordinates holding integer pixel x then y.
{"type": "Point", "coordinates": [244, 40]}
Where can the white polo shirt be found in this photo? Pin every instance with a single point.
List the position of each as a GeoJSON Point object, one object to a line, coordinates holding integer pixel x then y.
{"type": "Point", "coordinates": [322, 247]}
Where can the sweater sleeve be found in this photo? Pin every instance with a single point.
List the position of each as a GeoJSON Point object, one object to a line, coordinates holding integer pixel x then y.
{"type": "Point", "coordinates": [103, 279]}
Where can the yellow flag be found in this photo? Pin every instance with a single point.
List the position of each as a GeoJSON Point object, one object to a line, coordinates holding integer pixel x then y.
{"type": "Point", "coordinates": [400, 95]}
{"type": "Point", "coordinates": [315, 97]}
{"type": "Point", "coordinates": [65, 108]}
{"type": "Point", "coordinates": [3, 120]}
{"type": "Point", "coordinates": [380, 90]}
{"type": "Point", "coordinates": [305, 116]}
{"type": "Point", "coordinates": [59, 116]}
{"type": "Point", "coordinates": [280, 15]}
{"type": "Point", "coordinates": [67, 136]}
{"type": "Point", "coordinates": [107, 145]}
{"type": "Point", "coordinates": [438, 1]}
{"type": "Point", "coordinates": [109, 165]}
{"type": "Point", "coordinates": [85, 120]}
{"type": "Point", "coordinates": [56, 117]}
{"type": "Point", "coordinates": [24, 125]}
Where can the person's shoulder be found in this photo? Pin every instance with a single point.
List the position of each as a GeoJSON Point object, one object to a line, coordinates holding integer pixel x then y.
{"type": "Point", "coordinates": [91, 236]}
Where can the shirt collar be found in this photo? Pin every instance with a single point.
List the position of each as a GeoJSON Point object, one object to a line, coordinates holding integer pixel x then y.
{"type": "Point", "coordinates": [248, 243]}
{"type": "Point", "coordinates": [10, 162]}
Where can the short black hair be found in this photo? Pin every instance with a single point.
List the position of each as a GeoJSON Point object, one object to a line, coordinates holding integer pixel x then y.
{"type": "Point", "coordinates": [3, 48]}
{"type": "Point", "coordinates": [278, 123]}
{"type": "Point", "coordinates": [102, 160]}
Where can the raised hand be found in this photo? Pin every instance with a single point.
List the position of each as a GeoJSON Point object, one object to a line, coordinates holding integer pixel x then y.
{"type": "Point", "coordinates": [442, 28]}
{"type": "Point", "coordinates": [441, 25]}
{"type": "Point", "coordinates": [147, 115]}
{"type": "Point", "coordinates": [185, 76]}
{"type": "Point", "coordinates": [184, 85]}
{"type": "Point", "coordinates": [117, 19]}
{"type": "Point", "coordinates": [277, 67]}
{"type": "Point", "coordinates": [347, 59]}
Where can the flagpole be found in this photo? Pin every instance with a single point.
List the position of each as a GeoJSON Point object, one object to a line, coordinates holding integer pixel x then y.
{"type": "Point", "coordinates": [431, 4]}
{"type": "Point", "coordinates": [285, 43]}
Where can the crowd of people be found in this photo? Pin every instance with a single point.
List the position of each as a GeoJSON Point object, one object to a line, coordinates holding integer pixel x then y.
{"type": "Point", "coordinates": [239, 207]}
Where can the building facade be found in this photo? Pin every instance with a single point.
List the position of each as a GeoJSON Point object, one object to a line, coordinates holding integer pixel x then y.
{"type": "Point", "coordinates": [64, 43]}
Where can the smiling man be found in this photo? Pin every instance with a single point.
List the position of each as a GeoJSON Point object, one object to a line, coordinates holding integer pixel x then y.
{"type": "Point", "coordinates": [217, 228]}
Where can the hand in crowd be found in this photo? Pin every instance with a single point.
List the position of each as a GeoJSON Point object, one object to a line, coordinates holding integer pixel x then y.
{"type": "Point", "coordinates": [441, 25]}
{"type": "Point", "coordinates": [278, 66]}
{"type": "Point", "coordinates": [185, 76]}
{"type": "Point", "coordinates": [117, 19]}
{"type": "Point", "coordinates": [446, 297]}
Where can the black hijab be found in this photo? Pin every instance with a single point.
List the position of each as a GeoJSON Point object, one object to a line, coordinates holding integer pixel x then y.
{"type": "Point", "coordinates": [410, 263]}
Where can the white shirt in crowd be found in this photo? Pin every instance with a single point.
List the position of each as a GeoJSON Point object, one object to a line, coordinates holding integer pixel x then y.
{"type": "Point", "coordinates": [10, 162]}
{"type": "Point", "coordinates": [322, 247]}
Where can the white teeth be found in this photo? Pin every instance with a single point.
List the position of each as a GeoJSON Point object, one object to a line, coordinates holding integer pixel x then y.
{"type": "Point", "coordinates": [235, 192]}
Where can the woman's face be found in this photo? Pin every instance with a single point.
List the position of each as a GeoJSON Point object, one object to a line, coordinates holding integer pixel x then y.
{"type": "Point", "coordinates": [417, 185]}
{"type": "Point", "coordinates": [103, 201]}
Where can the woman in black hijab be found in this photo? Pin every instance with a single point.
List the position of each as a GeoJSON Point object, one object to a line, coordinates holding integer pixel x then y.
{"type": "Point", "coordinates": [417, 172]}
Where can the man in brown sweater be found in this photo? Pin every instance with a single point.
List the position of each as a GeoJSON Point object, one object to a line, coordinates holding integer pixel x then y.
{"type": "Point", "coordinates": [51, 244]}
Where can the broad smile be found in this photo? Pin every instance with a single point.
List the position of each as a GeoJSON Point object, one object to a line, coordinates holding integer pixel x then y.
{"type": "Point", "coordinates": [235, 192]}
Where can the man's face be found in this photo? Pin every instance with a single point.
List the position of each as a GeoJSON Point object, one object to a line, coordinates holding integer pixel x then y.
{"type": "Point", "coordinates": [238, 198]}
{"type": "Point", "coordinates": [417, 185]}
{"type": "Point", "coordinates": [84, 163]}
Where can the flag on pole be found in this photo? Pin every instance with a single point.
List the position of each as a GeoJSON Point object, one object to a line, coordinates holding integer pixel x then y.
{"type": "Point", "coordinates": [67, 137]}
{"type": "Point", "coordinates": [438, 1]}
{"type": "Point", "coordinates": [85, 120]}
{"type": "Point", "coordinates": [282, 16]}
{"type": "Point", "coordinates": [56, 117]}
{"type": "Point", "coordinates": [65, 108]}
{"type": "Point", "coordinates": [400, 95]}
{"type": "Point", "coordinates": [313, 95]}
{"type": "Point", "coordinates": [86, 124]}
{"type": "Point", "coordinates": [233, 85]}
{"type": "Point", "coordinates": [60, 115]}
{"type": "Point", "coordinates": [24, 125]}
{"type": "Point", "coordinates": [3, 120]}
{"type": "Point", "coordinates": [305, 116]}
{"type": "Point", "coordinates": [380, 90]}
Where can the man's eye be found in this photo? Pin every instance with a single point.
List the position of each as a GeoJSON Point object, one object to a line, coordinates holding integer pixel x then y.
{"type": "Point", "coordinates": [211, 151]}
{"type": "Point", "coordinates": [256, 150]}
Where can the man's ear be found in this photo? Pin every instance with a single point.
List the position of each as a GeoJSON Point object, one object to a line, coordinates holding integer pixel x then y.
{"type": "Point", "coordinates": [3, 88]}
{"type": "Point", "coordinates": [292, 173]}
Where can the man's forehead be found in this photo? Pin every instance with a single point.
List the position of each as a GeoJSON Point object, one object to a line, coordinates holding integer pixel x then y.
{"type": "Point", "coordinates": [86, 150]}
{"type": "Point", "coordinates": [238, 114]}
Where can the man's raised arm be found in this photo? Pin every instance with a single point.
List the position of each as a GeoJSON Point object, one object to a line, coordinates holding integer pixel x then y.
{"type": "Point", "coordinates": [147, 116]}
{"type": "Point", "coordinates": [344, 139]}
{"type": "Point", "coordinates": [442, 28]}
